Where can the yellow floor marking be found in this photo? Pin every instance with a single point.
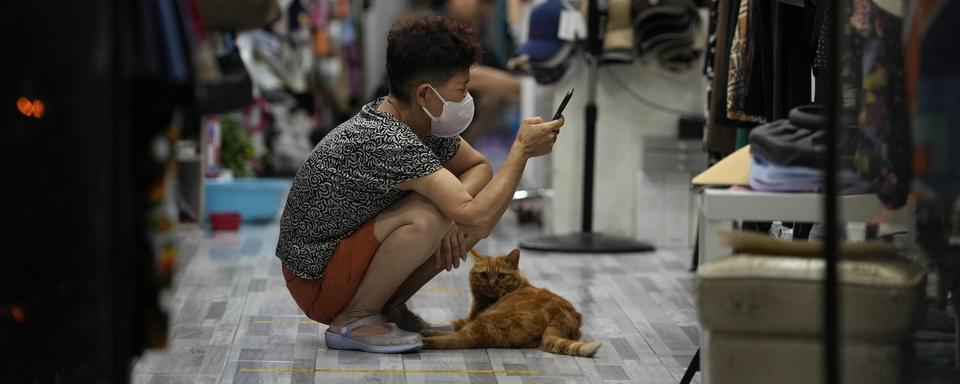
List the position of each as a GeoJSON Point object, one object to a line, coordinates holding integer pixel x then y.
{"type": "Point", "coordinates": [319, 370]}
{"type": "Point", "coordinates": [293, 321]}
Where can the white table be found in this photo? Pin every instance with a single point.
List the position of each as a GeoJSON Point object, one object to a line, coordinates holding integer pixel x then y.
{"type": "Point", "coordinates": [720, 208]}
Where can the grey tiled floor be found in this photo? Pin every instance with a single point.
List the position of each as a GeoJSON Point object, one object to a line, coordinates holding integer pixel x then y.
{"type": "Point", "coordinates": [233, 321]}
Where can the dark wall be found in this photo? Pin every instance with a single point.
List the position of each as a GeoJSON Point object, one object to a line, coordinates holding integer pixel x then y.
{"type": "Point", "coordinates": [69, 254]}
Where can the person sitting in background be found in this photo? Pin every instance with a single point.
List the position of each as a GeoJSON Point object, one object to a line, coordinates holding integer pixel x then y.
{"type": "Point", "coordinates": [394, 196]}
{"type": "Point", "coordinates": [490, 77]}
{"type": "Point", "coordinates": [491, 82]}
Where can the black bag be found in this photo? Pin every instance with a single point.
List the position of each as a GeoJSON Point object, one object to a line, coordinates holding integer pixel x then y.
{"type": "Point", "coordinates": [233, 92]}
{"type": "Point", "coordinates": [235, 15]}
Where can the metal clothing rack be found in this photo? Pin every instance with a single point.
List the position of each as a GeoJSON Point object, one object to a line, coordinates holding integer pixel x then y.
{"type": "Point", "coordinates": [831, 294]}
{"type": "Point", "coordinates": [830, 244]}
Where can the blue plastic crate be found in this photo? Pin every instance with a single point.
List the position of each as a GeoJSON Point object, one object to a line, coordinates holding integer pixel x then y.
{"type": "Point", "coordinates": [255, 199]}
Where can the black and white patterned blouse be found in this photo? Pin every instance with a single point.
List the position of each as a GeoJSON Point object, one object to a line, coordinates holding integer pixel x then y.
{"type": "Point", "coordinates": [348, 179]}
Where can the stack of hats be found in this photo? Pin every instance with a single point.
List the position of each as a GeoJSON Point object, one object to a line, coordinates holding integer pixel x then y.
{"type": "Point", "coordinates": [787, 155]}
{"type": "Point", "coordinates": [668, 29]}
{"type": "Point", "coordinates": [618, 41]}
{"type": "Point", "coordinates": [548, 54]}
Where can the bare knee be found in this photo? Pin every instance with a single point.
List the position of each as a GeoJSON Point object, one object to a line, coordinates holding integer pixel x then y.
{"type": "Point", "coordinates": [412, 213]}
{"type": "Point", "coordinates": [427, 221]}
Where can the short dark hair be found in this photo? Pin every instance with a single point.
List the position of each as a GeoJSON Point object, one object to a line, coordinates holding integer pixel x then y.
{"type": "Point", "coordinates": [429, 49]}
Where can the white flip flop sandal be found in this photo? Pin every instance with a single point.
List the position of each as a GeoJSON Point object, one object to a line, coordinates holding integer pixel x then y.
{"type": "Point", "coordinates": [398, 341]}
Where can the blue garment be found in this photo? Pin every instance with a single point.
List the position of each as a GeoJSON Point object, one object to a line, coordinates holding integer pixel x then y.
{"type": "Point", "coordinates": [178, 65]}
{"type": "Point", "coordinates": [766, 176]}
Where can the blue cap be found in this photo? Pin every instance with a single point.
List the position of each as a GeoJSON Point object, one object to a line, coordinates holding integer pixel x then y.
{"type": "Point", "coordinates": [542, 41]}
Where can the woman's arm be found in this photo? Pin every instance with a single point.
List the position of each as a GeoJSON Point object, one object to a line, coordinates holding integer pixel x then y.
{"type": "Point", "coordinates": [478, 215]}
{"type": "Point", "coordinates": [471, 168]}
{"type": "Point", "coordinates": [491, 81]}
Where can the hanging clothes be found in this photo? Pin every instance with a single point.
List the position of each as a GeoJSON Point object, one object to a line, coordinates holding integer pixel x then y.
{"type": "Point", "coordinates": [174, 41]}
{"type": "Point", "coordinates": [883, 154]}
{"type": "Point", "coordinates": [794, 59]}
{"type": "Point", "coordinates": [711, 49]}
{"type": "Point", "coordinates": [822, 56]}
{"type": "Point", "coordinates": [740, 64]}
{"type": "Point", "coordinates": [720, 136]}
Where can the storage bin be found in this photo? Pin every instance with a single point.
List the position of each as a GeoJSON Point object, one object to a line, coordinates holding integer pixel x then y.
{"type": "Point", "coordinates": [257, 200]}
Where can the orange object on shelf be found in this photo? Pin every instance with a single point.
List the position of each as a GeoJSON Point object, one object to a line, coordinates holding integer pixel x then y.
{"type": "Point", "coordinates": [321, 42]}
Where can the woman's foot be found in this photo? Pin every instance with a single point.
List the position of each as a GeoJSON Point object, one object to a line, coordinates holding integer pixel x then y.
{"type": "Point", "coordinates": [371, 334]}
{"type": "Point", "coordinates": [371, 328]}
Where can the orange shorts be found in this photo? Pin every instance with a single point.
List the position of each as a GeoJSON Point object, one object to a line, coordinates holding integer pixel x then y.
{"type": "Point", "coordinates": [324, 298]}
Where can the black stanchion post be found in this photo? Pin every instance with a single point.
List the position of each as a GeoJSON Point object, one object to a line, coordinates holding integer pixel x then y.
{"type": "Point", "coordinates": [586, 213]}
{"type": "Point", "coordinates": [587, 241]}
{"type": "Point", "coordinates": [831, 298]}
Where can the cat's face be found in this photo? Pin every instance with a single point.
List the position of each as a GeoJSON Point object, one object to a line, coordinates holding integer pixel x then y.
{"type": "Point", "coordinates": [495, 276]}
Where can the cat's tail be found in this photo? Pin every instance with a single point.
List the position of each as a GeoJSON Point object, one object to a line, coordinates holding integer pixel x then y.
{"type": "Point", "coordinates": [555, 342]}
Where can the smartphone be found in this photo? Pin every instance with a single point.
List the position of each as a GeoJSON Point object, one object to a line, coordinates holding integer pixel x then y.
{"type": "Point", "coordinates": [563, 104]}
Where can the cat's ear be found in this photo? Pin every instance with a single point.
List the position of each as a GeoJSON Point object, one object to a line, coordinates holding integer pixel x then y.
{"type": "Point", "coordinates": [513, 258]}
{"type": "Point", "coordinates": [476, 255]}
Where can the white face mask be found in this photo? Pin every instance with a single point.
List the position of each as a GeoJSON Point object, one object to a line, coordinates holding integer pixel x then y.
{"type": "Point", "coordinates": [454, 118]}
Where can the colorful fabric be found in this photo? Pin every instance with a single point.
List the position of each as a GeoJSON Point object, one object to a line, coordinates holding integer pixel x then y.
{"type": "Point", "coordinates": [720, 137]}
{"type": "Point", "coordinates": [883, 152]}
{"type": "Point", "coordinates": [739, 67]}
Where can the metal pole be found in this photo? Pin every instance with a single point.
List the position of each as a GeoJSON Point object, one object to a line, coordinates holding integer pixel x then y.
{"type": "Point", "coordinates": [831, 297]}
{"type": "Point", "coordinates": [590, 114]}
{"type": "Point", "coordinates": [956, 342]}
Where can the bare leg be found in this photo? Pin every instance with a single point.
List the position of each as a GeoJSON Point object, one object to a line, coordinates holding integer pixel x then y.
{"type": "Point", "coordinates": [421, 276]}
{"type": "Point", "coordinates": [396, 310]}
{"type": "Point", "coordinates": [409, 232]}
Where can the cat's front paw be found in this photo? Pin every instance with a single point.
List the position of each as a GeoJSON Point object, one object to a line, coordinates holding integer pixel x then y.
{"type": "Point", "coordinates": [431, 332]}
{"type": "Point", "coordinates": [430, 342]}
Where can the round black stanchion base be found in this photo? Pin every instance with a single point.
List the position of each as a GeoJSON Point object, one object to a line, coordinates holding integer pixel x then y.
{"type": "Point", "coordinates": [586, 242]}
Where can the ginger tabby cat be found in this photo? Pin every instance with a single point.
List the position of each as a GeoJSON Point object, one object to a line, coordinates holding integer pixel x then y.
{"type": "Point", "coordinates": [508, 312]}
